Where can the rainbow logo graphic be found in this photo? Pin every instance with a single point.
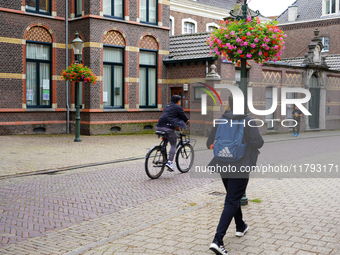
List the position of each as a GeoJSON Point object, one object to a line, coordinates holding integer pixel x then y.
{"type": "Point", "coordinates": [209, 93]}
{"type": "Point", "coordinates": [204, 97]}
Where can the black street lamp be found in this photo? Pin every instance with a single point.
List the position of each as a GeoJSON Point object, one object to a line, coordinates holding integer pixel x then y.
{"type": "Point", "coordinates": [244, 78]}
{"type": "Point", "coordinates": [77, 46]}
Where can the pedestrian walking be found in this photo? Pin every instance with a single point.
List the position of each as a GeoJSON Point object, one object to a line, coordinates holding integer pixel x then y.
{"type": "Point", "coordinates": [235, 183]}
{"type": "Point", "coordinates": [297, 114]}
{"type": "Point", "coordinates": [173, 116]}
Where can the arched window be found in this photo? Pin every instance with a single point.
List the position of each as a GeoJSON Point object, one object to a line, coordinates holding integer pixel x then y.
{"type": "Point", "coordinates": [38, 67]}
{"type": "Point", "coordinates": [189, 26]}
{"type": "Point", "coordinates": [113, 70]}
{"type": "Point", "coordinates": [148, 56]}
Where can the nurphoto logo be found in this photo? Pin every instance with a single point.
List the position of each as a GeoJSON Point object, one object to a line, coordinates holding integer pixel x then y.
{"type": "Point", "coordinates": [238, 103]}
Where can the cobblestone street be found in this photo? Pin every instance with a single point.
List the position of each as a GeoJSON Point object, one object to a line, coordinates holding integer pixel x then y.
{"type": "Point", "coordinates": [117, 209]}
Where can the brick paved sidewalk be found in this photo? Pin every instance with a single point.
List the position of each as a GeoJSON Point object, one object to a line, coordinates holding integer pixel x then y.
{"type": "Point", "coordinates": [22, 154]}
{"type": "Point", "coordinates": [293, 217]}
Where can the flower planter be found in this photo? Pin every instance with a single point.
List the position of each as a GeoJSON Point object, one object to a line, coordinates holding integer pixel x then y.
{"type": "Point", "coordinates": [77, 72]}
{"type": "Point", "coordinates": [247, 39]}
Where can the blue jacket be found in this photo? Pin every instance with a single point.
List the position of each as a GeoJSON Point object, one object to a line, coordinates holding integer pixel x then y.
{"type": "Point", "coordinates": [173, 116]}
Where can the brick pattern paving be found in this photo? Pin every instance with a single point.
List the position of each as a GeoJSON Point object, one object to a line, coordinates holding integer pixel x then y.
{"type": "Point", "coordinates": [32, 206]}
{"type": "Point", "coordinates": [292, 218]}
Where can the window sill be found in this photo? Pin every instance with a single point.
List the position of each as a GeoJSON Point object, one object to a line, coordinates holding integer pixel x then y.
{"type": "Point", "coordinates": [48, 16]}
{"type": "Point", "coordinates": [40, 110]}
{"type": "Point", "coordinates": [150, 110]}
{"type": "Point", "coordinates": [115, 110]}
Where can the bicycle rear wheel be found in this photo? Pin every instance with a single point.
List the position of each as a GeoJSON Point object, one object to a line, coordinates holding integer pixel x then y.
{"type": "Point", "coordinates": [155, 162]}
{"type": "Point", "coordinates": [185, 158]}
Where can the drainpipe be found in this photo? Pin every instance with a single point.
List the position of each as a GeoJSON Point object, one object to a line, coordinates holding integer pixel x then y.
{"type": "Point", "coordinates": [67, 105]}
{"type": "Point", "coordinates": [206, 67]}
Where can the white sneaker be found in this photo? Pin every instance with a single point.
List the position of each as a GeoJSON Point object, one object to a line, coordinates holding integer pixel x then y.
{"type": "Point", "coordinates": [170, 166]}
{"type": "Point", "coordinates": [219, 250]}
{"type": "Point", "coordinates": [240, 233]}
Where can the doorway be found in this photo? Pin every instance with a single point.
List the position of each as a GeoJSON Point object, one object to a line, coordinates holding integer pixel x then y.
{"type": "Point", "coordinates": [178, 91]}
{"type": "Point", "coordinates": [314, 102]}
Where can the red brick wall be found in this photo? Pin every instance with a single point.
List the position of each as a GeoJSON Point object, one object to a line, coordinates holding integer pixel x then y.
{"type": "Point", "coordinates": [201, 21]}
{"type": "Point", "coordinates": [300, 35]}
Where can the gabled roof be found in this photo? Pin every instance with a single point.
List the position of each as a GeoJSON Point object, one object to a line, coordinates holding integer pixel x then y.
{"type": "Point", "coordinates": [189, 47]}
{"type": "Point", "coordinates": [307, 10]}
{"type": "Point", "coordinates": [333, 61]}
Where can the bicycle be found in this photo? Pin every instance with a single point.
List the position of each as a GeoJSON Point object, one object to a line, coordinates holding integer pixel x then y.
{"type": "Point", "coordinates": [157, 156]}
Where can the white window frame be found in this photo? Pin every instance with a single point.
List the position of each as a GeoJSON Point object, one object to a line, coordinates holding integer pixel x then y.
{"type": "Point", "coordinates": [172, 25]}
{"type": "Point", "coordinates": [337, 5]}
{"type": "Point", "coordinates": [323, 43]}
{"type": "Point", "coordinates": [190, 21]}
{"type": "Point", "coordinates": [212, 24]}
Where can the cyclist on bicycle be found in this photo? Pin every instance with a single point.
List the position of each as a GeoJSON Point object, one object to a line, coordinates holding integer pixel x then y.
{"type": "Point", "coordinates": [173, 116]}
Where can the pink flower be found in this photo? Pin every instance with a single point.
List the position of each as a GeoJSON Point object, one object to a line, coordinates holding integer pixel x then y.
{"type": "Point", "coordinates": [276, 47]}
{"type": "Point", "coordinates": [274, 36]}
{"type": "Point", "coordinates": [285, 35]}
{"type": "Point", "coordinates": [227, 45]}
{"type": "Point", "coordinates": [264, 45]}
{"type": "Point", "coordinates": [238, 40]}
{"type": "Point", "coordinates": [239, 51]}
{"type": "Point", "coordinates": [210, 53]}
{"type": "Point", "coordinates": [219, 41]}
{"type": "Point", "coordinates": [248, 33]}
{"type": "Point", "coordinates": [249, 18]}
{"type": "Point", "coordinates": [245, 44]}
{"type": "Point", "coordinates": [253, 45]}
{"type": "Point", "coordinates": [283, 47]}
{"type": "Point", "coordinates": [249, 55]}
{"type": "Point", "coordinates": [260, 64]}
{"type": "Point", "coordinates": [260, 53]}
{"type": "Point", "coordinates": [232, 33]}
{"type": "Point", "coordinates": [227, 36]}
{"type": "Point", "coordinates": [267, 48]}
{"type": "Point", "coordinates": [256, 40]}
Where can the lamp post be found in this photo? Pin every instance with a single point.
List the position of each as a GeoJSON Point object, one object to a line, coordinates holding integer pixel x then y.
{"type": "Point", "coordinates": [77, 46]}
{"type": "Point", "coordinates": [243, 84]}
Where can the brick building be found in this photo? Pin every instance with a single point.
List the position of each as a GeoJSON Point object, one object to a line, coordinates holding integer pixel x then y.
{"type": "Point", "coordinates": [125, 42]}
{"type": "Point", "coordinates": [302, 18]}
{"type": "Point", "coordinates": [189, 61]}
{"type": "Point", "coordinates": [127, 45]}
{"type": "Point", "coordinates": [199, 16]}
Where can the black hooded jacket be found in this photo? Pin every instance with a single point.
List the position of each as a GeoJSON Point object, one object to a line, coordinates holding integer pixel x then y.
{"type": "Point", "coordinates": [173, 116]}
{"type": "Point", "coordinates": [251, 136]}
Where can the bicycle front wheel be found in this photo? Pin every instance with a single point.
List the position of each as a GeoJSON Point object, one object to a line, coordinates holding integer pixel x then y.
{"type": "Point", "coordinates": [185, 158]}
{"type": "Point", "coordinates": [155, 162]}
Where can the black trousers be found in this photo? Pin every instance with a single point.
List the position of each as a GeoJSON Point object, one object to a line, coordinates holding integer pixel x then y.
{"type": "Point", "coordinates": [235, 189]}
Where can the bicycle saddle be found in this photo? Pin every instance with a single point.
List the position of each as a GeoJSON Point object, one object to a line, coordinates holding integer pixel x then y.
{"type": "Point", "coordinates": [160, 133]}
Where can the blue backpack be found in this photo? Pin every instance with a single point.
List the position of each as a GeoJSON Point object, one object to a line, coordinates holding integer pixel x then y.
{"type": "Point", "coordinates": [229, 145]}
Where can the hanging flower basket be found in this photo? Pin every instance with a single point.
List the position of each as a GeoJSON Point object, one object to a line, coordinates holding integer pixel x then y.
{"type": "Point", "coordinates": [79, 73]}
{"type": "Point", "coordinates": [247, 39]}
